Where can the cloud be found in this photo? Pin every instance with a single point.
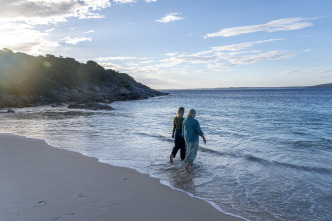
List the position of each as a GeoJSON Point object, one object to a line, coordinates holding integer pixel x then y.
{"type": "Point", "coordinates": [318, 72]}
{"type": "Point", "coordinates": [176, 64]}
{"type": "Point", "coordinates": [131, 1]}
{"type": "Point", "coordinates": [226, 59]}
{"type": "Point", "coordinates": [287, 24]}
{"type": "Point", "coordinates": [192, 59]}
{"type": "Point", "coordinates": [50, 30]}
{"type": "Point", "coordinates": [146, 62]}
{"type": "Point", "coordinates": [90, 31]}
{"type": "Point", "coordinates": [241, 46]}
{"type": "Point", "coordinates": [119, 58]}
{"type": "Point", "coordinates": [23, 38]}
{"type": "Point", "coordinates": [124, 1]}
{"type": "Point", "coordinates": [290, 72]}
{"type": "Point", "coordinates": [254, 58]}
{"type": "Point", "coordinates": [322, 72]}
{"type": "Point", "coordinates": [19, 20]}
{"type": "Point", "coordinates": [227, 55]}
{"type": "Point", "coordinates": [74, 41]}
{"type": "Point", "coordinates": [49, 11]}
{"type": "Point", "coordinates": [171, 54]}
{"type": "Point", "coordinates": [171, 17]}
{"type": "Point", "coordinates": [112, 66]}
{"type": "Point", "coordinates": [157, 82]}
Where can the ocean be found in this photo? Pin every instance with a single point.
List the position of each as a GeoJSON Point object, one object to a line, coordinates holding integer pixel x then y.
{"type": "Point", "coordinates": [268, 153]}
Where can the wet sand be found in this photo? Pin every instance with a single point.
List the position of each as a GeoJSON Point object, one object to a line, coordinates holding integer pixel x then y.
{"type": "Point", "coordinates": [41, 182]}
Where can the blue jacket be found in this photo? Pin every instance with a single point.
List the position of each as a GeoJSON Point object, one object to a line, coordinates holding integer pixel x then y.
{"type": "Point", "coordinates": [191, 129]}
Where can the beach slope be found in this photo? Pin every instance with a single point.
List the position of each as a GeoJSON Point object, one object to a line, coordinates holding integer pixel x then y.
{"type": "Point", "coordinates": [40, 182]}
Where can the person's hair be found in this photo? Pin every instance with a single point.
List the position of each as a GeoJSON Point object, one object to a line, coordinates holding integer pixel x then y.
{"type": "Point", "coordinates": [191, 113]}
{"type": "Point", "coordinates": [180, 112]}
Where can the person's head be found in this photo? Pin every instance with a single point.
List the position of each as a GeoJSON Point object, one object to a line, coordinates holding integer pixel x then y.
{"type": "Point", "coordinates": [180, 112]}
{"type": "Point", "coordinates": [191, 113]}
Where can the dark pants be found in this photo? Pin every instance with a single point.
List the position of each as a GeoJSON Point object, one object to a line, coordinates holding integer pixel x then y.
{"type": "Point", "coordinates": [179, 145]}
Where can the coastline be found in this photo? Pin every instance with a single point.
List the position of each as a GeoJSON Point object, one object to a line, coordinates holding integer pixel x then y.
{"type": "Point", "coordinates": [42, 182]}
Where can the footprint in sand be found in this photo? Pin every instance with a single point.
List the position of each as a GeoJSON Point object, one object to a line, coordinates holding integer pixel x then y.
{"type": "Point", "coordinates": [40, 203]}
{"type": "Point", "coordinates": [80, 195]}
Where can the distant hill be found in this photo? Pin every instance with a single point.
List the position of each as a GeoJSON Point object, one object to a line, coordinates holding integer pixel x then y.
{"type": "Point", "coordinates": [323, 86]}
{"type": "Point", "coordinates": [264, 88]}
{"type": "Point", "coordinates": [27, 80]}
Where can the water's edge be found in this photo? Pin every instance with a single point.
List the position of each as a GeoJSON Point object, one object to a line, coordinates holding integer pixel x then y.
{"type": "Point", "coordinates": [163, 182]}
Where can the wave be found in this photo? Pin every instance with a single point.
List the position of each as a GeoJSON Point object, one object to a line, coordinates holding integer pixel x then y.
{"type": "Point", "coordinates": [158, 136]}
{"type": "Point", "coordinates": [249, 157]}
{"type": "Point", "coordinates": [252, 158]}
{"type": "Point", "coordinates": [298, 167]}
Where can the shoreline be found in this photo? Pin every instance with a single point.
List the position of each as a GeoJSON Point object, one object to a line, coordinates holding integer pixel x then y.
{"type": "Point", "coordinates": [43, 182]}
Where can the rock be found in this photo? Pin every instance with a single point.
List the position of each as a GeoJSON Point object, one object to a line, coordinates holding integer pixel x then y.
{"type": "Point", "coordinates": [10, 110]}
{"type": "Point", "coordinates": [85, 94]}
{"type": "Point", "coordinates": [90, 106]}
{"type": "Point", "coordinates": [61, 97]}
{"type": "Point", "coordinates": [74, 92]}
{"type": "Point", "coordinates": [64, 89]}
{"type": "Point", "coordinates": [123, 91]}
{"type": "Point", "coordinates": [57, 105]}
{"type": "Point", "coordinates": [95, 89]}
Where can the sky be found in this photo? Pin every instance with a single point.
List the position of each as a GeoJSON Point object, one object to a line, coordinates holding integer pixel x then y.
{"type": "Point", "coordinates": [181, 44]}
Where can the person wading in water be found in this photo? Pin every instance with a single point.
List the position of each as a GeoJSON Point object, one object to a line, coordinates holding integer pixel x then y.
{"type": "Point", "coordinates": [177, 136]}
{"type": "Point", "coordinates": [191, 131]}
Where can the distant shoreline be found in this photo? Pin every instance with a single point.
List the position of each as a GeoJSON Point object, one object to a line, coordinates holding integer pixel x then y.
{"type": "Point", "coordinates": [322, 86]}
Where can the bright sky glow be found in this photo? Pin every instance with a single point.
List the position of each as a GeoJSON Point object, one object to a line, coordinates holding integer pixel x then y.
{"type": "Point", "coordinates": [172, 44]}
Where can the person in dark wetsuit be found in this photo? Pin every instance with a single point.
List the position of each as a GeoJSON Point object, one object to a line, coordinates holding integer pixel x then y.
{"type": "Point", "coordinates": [177, 136]}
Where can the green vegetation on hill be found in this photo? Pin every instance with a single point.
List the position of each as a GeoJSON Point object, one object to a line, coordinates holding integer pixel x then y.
{"type": "Point", "coordinates": [23, 75]}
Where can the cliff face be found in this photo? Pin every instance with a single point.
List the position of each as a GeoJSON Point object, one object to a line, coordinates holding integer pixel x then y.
{"type": "Point", "coordinates": [26, 80]}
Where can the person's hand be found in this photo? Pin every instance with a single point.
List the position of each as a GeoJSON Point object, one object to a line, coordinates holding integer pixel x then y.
{"type": "Point", "coordinates": [204, 140]}
{"type": "Point", "coordinates": [172, 136]}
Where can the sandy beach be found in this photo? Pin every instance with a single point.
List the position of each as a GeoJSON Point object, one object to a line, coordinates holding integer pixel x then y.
{"type": "Point", "coordinates": [41, 182]}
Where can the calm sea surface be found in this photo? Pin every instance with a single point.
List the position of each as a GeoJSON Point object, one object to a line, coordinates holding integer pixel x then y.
{"type": "Point", "coordinates": [268, 154]}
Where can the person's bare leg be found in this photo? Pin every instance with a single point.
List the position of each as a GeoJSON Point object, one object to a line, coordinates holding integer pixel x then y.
{"type": "Point", "coordinates": [171, 158]}
{"type": "Point", "coordinates": [187, 167]}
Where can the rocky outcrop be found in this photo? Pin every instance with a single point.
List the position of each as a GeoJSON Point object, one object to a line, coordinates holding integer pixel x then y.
{"type": "Point", "coordinates": [26, 81]}
{"type": "Point", "coordinates": [8, 111]}
{"type": "Point", "coordinates": [90, 106]}
{"type": "Point", "coordinates": [104, 94]}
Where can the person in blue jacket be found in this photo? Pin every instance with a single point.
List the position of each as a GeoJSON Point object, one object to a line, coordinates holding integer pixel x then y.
{"type": "Point", "coordinates": [190, 131]}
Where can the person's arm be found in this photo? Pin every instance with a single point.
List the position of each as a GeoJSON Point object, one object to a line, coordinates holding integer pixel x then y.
{"type": "Point", "coordinates": [200, 132]}
{"type": "Point", "coordinates": [174, 126]}
{"type": "Point", "coordinates": [204, 140]}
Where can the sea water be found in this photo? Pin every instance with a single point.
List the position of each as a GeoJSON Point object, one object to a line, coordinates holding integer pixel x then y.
{"type": "Point", "coordinates": [268, 153]}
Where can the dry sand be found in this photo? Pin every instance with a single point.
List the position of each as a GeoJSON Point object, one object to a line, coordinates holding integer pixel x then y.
{"type": "Point", "coordinates": [40, 182]}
